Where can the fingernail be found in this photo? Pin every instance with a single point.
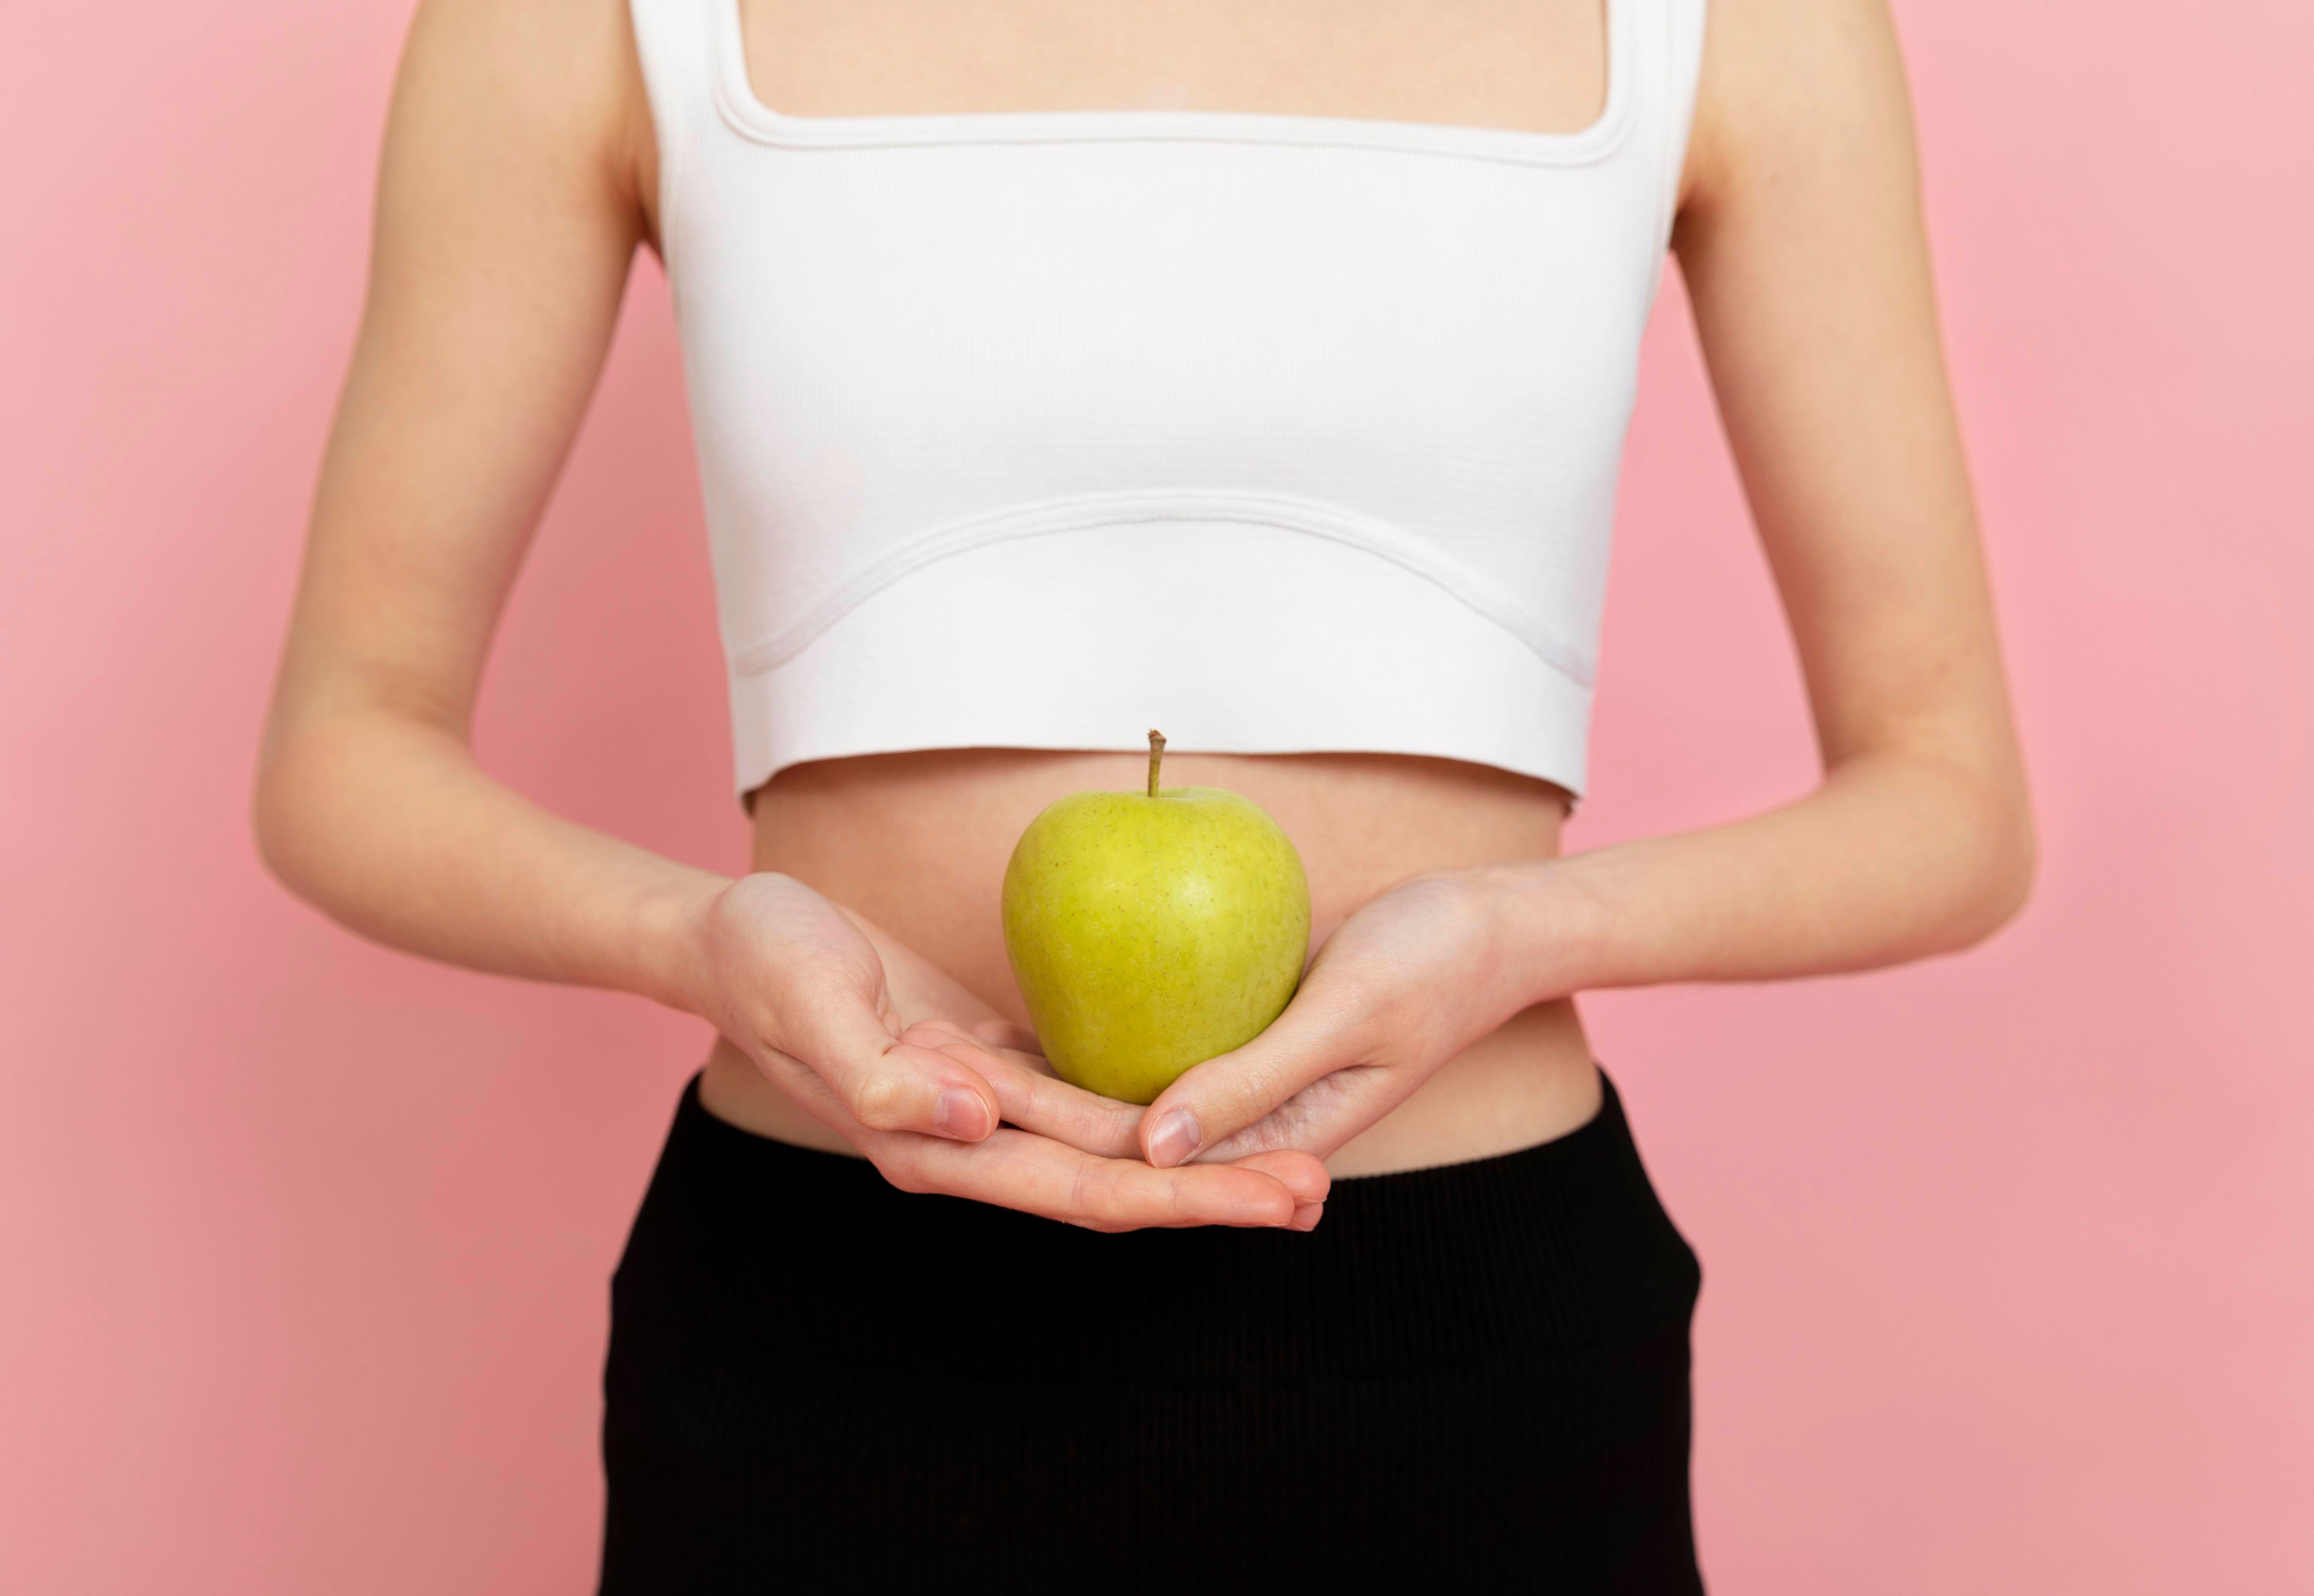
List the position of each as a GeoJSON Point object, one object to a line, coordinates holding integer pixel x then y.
{"type": "Point", "coordinates": [1306, 1216]}
{"type": "Point", "coordinates": [962, 1115]}
{"type": "Point", "coordinates": [1176, 1139]}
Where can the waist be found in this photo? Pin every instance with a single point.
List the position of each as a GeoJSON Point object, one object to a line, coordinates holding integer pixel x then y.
{"type": "Point", "coordinates": [918, 842]}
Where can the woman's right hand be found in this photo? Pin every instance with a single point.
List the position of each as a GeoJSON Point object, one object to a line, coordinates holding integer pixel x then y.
{"type": "Point", "coordinates": [940, 1105]}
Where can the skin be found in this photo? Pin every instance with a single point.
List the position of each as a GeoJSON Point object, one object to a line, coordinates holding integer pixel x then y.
{"type": "Point", "coordinates": [856, 978]}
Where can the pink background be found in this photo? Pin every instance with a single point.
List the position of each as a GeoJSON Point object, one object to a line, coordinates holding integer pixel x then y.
{"type": "Point", "coordinates": [304, 1244]}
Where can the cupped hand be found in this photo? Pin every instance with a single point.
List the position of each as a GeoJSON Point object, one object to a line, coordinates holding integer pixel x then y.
{"type": "Point", "coordinates": [1405, 984]}
{"type": "Point", "coordinates": [800, 987]}
{"type": "Point", "coordinates": [1070, 1154]}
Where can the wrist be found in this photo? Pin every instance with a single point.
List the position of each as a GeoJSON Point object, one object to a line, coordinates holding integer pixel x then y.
{"type": "Point", "coordinates": [672, 958]}
{"type": "Point", "coordinates": [1551, 924]}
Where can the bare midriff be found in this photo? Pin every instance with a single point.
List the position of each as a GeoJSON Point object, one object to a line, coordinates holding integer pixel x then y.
{"type": "Point", "coordinates": [917, 843]}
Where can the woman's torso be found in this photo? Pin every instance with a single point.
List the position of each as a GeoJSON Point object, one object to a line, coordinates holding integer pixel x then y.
{"type": "Point", "coordinates": [917, 842]}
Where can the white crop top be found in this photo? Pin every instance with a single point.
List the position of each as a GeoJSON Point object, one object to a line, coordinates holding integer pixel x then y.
{"type": "Point", "coordinates": [1036, 429]}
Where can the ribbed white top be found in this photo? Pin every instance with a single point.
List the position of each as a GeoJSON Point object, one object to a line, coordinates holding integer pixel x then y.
{"type": "Point", "coordinates": [1035, 430]}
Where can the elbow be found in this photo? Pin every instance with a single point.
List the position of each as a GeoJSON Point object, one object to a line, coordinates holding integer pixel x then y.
{"type": "Point", "coordinates": [282, 823]}
{"type": "Point", "coordinates": [335, 811]}
{"type": "Point", "coordinates": [311, 808]}
{"type": "Point", "coordinates": [1999, 854]}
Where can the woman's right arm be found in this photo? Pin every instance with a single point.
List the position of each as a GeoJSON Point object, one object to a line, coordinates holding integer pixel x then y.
{"type": "Point", "coordinates": [513, 195]}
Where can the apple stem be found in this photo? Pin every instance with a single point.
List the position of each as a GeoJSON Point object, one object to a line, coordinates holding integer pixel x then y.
{"type": "Point", "coordinates": [1156, 752]}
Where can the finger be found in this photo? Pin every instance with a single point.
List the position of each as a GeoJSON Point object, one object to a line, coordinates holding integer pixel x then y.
{"type": "Point", "coordinates": [1298, 1172]}
{"type": "Point", "coordinates": [1017, 1169]}
{"type": "Point", "coordinates": [1306, 1217]}
{"type": "Point", "coordinates": [1322, 1117]}
{"type": "Point", "coordinates": [978, 1035]}
{"type": "Point", "coordinates": [1214, 1101]}
{"type": "Point", "coordinates": [1001, 1037]}
{"type": "Point", "coordinates": [1003, 1032]}
{"type": "Point", "coordinates": [887, 1084]}
{"type": "Point", "coordinates": [1036, 1101]}
{"type": "Point", "coordinates": [1036, 1063]}
{"type": "Point", "coordinates": [1098, 1124]}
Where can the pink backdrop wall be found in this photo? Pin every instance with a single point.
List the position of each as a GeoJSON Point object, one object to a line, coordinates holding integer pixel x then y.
{"type": "Point", "coordinates": [2008, 1257]}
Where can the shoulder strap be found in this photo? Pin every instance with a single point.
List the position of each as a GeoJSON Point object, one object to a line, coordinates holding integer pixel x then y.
{"type": "Point", "coordinates": [1683, 65]}
{"type": "Point", "coordinates": [1673, 52]}
{"type": "Point", "coordinates": [676, 42]}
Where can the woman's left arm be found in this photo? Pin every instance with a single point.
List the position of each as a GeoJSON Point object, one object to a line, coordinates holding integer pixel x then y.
{"type": "Point", "coordinates": [1800, 239]}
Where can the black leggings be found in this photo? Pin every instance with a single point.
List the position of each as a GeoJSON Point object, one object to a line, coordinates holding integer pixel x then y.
{"type": "Point", "coordinates": [1470, 1374]}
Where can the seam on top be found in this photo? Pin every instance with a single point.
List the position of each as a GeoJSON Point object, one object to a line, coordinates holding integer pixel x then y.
{"type": "Point", "coordinates": [747, 116]}
{"type": "Point", "coordinates": [1090, 512]}
{"type": "Point", "coordinates": [665, 86]}
{"type": "Point", "coordinates": [1666, 74]}
{"type": "Point", "coordinates": [674, 167]}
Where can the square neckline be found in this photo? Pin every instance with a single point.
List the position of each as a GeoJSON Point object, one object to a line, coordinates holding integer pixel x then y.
{"type": "Point", "coordinates": [747, 114]}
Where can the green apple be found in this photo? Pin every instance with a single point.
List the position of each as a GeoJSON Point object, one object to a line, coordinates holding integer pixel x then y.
{"type": "Point", "coordinates": [1150, 931]}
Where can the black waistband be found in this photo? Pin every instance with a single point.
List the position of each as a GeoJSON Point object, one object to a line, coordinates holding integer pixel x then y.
{"type": "Point", "coordinates": [809, 1255]}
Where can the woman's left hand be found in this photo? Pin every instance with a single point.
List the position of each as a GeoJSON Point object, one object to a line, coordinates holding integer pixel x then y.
{"type": "Point", "coordinates": [1405, 984]}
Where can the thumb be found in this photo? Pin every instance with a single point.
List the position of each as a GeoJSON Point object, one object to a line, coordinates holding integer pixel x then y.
{"type": "Point", "coordinates": [1214, 1101]}
{"type": "Point", "coordinates": [887, 1084]}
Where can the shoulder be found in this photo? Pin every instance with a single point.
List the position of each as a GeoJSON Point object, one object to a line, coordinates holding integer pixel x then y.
{"type": "Point", "coordinates": [1781, 80]}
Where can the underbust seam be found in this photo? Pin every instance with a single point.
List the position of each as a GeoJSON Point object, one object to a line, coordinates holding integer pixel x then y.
{"type": "Point", "coordinates": [1095, 512]}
